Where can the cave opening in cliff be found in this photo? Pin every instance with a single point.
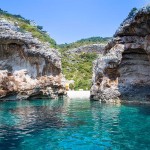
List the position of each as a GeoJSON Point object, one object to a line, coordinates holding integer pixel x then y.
{"type": "Point", "coordinates": [134, 68]}
{"type": "Point", "coordinates": [134, 79]}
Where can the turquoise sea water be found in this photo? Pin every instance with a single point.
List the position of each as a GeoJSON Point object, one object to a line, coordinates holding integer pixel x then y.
{"type": "Point", "coordinates": [73, 124]}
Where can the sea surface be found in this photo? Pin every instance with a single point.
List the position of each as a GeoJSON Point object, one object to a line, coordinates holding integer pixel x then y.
{"type": "Point", "coordinates": [73, 125]}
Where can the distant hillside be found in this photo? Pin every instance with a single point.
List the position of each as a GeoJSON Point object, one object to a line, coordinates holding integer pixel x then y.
{"type": "Point", "coordinates": [83, 42]}
{"type": "Point", "coordinates": [28, 25]}
{"type": "Point", "coordinates": [78, 67]}
{"type": "Point", "coordinates": [77, 60]}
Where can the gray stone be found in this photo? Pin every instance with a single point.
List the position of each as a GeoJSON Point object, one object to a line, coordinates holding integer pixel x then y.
{"type": "Point", "coordinates": [93, 48]}
{"type": "Point", "coordinates": [124, 70]}
{"type": "Point", "coordinates": [27, 63]}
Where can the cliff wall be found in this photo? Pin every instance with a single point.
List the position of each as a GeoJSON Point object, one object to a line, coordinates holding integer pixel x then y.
{"type": "Point", "coordinates": [28, 67]}
{"type": "Point", "coordinates": [124, 70]}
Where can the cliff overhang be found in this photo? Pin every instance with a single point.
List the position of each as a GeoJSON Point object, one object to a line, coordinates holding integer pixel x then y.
{"type": "Point", "coordinates": [123, 73]}
{"type": "Point", "coordinates": [28, 67]}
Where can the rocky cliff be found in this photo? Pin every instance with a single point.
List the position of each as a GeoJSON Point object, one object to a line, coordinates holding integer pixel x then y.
{"type": "Point", "coordinates": [92, 48]}
{"type": "Point", "coordinates": [124, 70]}
{"type": "Point", "coordinates": [28, 67]}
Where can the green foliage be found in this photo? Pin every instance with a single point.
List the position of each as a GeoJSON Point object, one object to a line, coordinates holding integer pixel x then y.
{"type": "Point", "coordinates": [25, 25]}
{"type": "Point", "coordinates": [78, 67]}
{"type": "Point", "coordinates": [132, 12]}
{"type": "Point", "coordinates": [40, 28]}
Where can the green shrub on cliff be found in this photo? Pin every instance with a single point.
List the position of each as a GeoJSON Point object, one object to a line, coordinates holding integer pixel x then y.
{"type": "Point", "coordinates": [26, 25]}
{"type": "Point", "coordinates": [78, 67]}
{"type": "Point", "coordinates": [132, 12]}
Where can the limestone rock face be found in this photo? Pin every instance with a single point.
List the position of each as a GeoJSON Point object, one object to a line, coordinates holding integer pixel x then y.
{"type": "Point", "coordinates": [93, 48]}
{"type": "Point", "coordinates": [27, 66]}
{"type": "Point", "coordinates": [124, 70]}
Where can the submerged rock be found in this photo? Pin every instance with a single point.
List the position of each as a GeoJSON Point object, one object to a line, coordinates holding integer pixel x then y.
{"type": "Point", "coordinates": [28, 67]}
{"type": "Point", "coordinates": [124, 70]}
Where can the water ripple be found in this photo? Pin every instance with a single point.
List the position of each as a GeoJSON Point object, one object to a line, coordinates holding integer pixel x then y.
{"type": "Point", "coordinates": [75, 124]}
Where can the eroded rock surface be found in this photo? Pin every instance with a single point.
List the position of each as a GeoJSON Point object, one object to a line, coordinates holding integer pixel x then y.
{"type": "Point", "coordinates": [25, 87]}
{"type": "Point", "coordinates": [93, 48]}
{"type": "Point", "coordinates": [28, 67]}
{"type": "Point", "coordinates": [124, 70]}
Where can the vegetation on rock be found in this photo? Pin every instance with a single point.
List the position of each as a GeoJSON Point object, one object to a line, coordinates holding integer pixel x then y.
{"type": "Point", "coordinates": [78, 66]}
{"type": "Point", "coordinates": [30, 26]}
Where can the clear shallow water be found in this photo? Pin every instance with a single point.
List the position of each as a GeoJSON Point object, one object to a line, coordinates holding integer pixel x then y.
{"type": "Point", "coordinates": [75, 124]}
